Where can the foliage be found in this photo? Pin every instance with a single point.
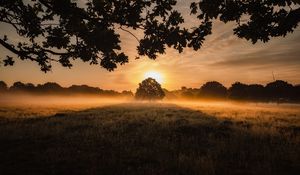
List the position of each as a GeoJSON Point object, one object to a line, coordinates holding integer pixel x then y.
{"type": "Point", "coordinates": [240, 91]}
{"type": "Point", "coordinates": [213, 89]}
{"type": "Point", "coordinates": [149, 89]}
{"type": "Point", "coordinates": [62, 30]}
{"type": "Point", "coordinates": [51, 88]}
{"type": "Point", "coordinates": [279, 89]}
{"type": "Point", "coordinates": [3, 86]}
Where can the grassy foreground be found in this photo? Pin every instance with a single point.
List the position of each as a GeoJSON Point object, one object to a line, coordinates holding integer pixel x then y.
{"type": "Point", "coordinates": [149, 139]}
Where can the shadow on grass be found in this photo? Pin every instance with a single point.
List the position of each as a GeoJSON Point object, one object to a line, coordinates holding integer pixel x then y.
{"type": "Point", "coordinates": [143, 139]}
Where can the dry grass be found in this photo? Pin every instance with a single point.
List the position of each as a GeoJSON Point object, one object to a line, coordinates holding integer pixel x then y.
{"type": "Point", "coordinates": [181, 138]}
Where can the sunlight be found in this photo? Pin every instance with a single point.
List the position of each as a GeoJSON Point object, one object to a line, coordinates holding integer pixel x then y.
{"type": "Point", "coordinates": [155, 75]}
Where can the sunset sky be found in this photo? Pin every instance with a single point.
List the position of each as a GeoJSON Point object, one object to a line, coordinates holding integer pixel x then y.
{"type": "Point", "coordinates": [224, 58]}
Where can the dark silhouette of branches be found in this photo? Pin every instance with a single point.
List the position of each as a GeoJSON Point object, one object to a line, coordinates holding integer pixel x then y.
{"type": "Point", "coordinates": [66, 31]}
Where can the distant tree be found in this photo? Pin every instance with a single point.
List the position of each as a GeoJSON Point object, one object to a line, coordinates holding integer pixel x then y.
{"type": "Point", "coordinates": [238, 91]}
{"type": "Point", "coordinates": [183, 88]}
{"type": "Point", "coordinates": [149, 89]}
{"type": "Point", "coordinates": [256, 92]}
{"type": "Point", "coordinates": [50, 87]}
{"type": "Point", "coordinates": [3, 86]}
{"type": "Point", "coordinates": [62, 30]}
{"type": "Point", "coordinates": [213, 89]}
{"type": "Point", "coordinates": [18, 86]}
{"type": "Point", "coordinates": [110, 93]}
{"type": "Point", "coordinates": [279, 90]}
{"type": "Point", "coordinates": [127, 93]}
{"type": "Point", "coordinates": [169, 94]}
{"type": "Point", "coordinates": [30, 87]}
{"type": "Point", "coordinates": [83, 89]}
{"type": "Point", "coordinates": [189, 93]}
{"type": "Point", "coordinates": [296, 93]}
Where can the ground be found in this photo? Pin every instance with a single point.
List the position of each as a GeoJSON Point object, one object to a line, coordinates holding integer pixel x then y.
{"type": "Point", "coordinates": [151, 138]}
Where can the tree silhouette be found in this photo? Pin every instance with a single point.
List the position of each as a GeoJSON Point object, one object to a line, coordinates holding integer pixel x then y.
{"type": "Point", "coordinates": [255, 20]}
{"type": "Point", "coordinates": [18, 86]}
{"type": "Point", "coordinates": [296, 93]}
{"type": "Point", "coordinates": [90, 32]}
{"type": "Point", "coordinates": [50, 87]}
{"type": "Point", "coordinates": [213, 89]}
{"type": "Point", "coordinates": [127, 93]}
{"type": "Point", "coordinates": [237, 91]}
{"type": "Point", "coordinates": [279, 90]}
{"type": "Point", "coordinates": [3, 86]}
{"type": "Point", "coordinates": [240, 91]}
{"type": "Point", "coordinates": [149, 89]}
{"type": "Point", "coordinates": [83, 89]}
{"type": "Point", "coordinates": [256, 92]}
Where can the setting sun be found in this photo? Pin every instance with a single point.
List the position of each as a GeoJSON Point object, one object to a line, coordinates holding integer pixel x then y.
{"type": "Point", "coordinates": [155, 75]}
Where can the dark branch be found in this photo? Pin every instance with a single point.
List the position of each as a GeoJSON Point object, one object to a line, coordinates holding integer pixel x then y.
{"type": "Point", "coordinates": [26, 53]}
{"type": "Point", "coordinates": [15, 51]}
{"type": "Point", "coordinates": [130, 33]}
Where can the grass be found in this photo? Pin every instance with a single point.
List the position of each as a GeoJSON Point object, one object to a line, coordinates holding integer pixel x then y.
{"type": "Point", "coordinates": [152, 139]}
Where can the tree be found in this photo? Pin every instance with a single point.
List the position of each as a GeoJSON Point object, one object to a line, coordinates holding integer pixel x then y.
{"type": "Point", "coordinates": [50, 87]}
{"type": "Point", "coordinates": [296, 93]}
{"type": "Point", "coordinates": [213, 89]}
{"type": "Point", "coordinates": [3, 86]}
{"type": "Point", "coordinates": [127, 93]}
{"type": "Point", "coordinates": [256, 92]}
{"type": "Point", "coordinates": [237, 91]}
{"type": "Point", "coordinates": [18, 86]}
{"type": "Point", "coordinates": [83, 89]}
{"type": "Point", "coordinates": [240, 91]}
{"type": "Point", "coordinates": [279, 90]}
{"type": "Point", "coordinates": [255, 20]}
{"type": "Point", "coordinates": [149, 89]}
{"type": "Point", "coordinates": [62, 30]}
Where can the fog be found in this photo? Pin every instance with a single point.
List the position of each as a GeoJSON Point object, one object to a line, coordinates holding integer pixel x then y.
{"type": "Point", "coordinates": [24, 105]}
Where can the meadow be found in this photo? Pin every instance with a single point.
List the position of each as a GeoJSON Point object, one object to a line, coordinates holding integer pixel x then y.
{"type": "Point", "coordinates": [106, 136]}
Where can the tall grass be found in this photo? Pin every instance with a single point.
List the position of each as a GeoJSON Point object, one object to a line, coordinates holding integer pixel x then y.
{"type": "Point", "coordinates": [154, 138]}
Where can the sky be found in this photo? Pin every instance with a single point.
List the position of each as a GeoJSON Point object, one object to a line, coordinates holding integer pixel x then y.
{"type": "Point", "coordinates": [224, 58]}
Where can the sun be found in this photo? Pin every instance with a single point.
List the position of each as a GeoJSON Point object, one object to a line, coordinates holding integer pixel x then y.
{"type": "Point", "coordinates": [155, 75]}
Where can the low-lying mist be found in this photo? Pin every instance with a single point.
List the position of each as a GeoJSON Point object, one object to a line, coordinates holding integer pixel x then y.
{"type": "Point", "coordinates": [25, 105]}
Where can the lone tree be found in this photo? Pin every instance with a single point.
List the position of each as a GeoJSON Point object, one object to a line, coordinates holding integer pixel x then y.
{"type": "Point", "coordinates": [64, 30]}
{"type": "Point", "coordinates": [149, 89]}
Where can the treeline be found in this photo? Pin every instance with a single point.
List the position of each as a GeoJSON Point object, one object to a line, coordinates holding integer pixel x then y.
{"type": "Point", "coordinates": [51, 88]}
{"type": "Point", "coordinates": [277, 91]}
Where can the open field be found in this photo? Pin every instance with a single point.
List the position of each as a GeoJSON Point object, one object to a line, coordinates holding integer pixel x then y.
{"type": "Point", "coordinates": [118, 137]}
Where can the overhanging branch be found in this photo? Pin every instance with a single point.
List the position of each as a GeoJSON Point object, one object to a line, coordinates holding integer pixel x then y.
{"type": "Point", "coordinates": [130, 33]}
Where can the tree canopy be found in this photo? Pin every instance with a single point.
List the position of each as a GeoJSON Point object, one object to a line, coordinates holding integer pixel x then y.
{"type": "Point", "coordinates": [52, 88]}
{"type": "Point", "coordinates": [3, 86]}
{"type": "Point", "coordinates": [64, 30]}
{"type": "Point", "coordinates": [213, 89]}
{"type": "Point", "coordinates": [149, 89]}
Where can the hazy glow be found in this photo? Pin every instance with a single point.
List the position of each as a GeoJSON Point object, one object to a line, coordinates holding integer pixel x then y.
{"type": "Point", "coordinates": [155, 75]}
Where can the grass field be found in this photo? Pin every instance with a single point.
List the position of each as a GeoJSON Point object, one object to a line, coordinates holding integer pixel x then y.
{"type": "Point", "coordinates": [116, 138]}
